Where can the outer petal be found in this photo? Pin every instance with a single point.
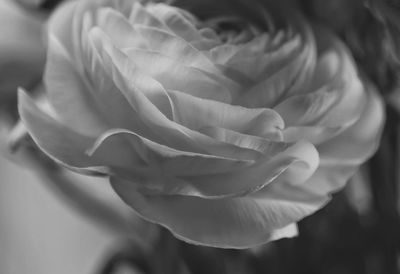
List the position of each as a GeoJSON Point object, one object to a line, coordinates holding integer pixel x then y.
{"type": "Point", "coordinates": [178, 172]}
{"type": "Point", "coordinates": [106, 95]}
{"type": "Point", "coordinates": [357, 143]}
{"type": "Point", "coordinates": [69, 94]}
{"type": "Point", "coordinates": [69, 147]}
{"type": "Point", "coordinates": [60, 25]}
{"type": "Point", "coordinates": [340, 158]}
{"type": "Point", "coordinates": [338, 102]}
{"type": "Point", "coordinates": [229, 223]}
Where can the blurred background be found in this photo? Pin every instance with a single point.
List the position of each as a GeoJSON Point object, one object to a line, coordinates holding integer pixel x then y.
{"type": "Point", "coordinates": [39, 234]}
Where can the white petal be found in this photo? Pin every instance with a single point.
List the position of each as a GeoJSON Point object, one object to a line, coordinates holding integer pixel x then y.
{"type": "Point", "coordinates": [61, 25]}
{"type": "Point", "coordinates": [69, 94]}
{"type": "Point", "coordinates": [66, 146]}
{"type": "Point", "coordinates": [178, 173]}
{"type": "Point", "coordinates": [174, 75]}
{"type": "Point", "coordinates": [175, 135]}
{"type": "Point", "coordinates": [106, 94]}
{"type": "Point", "coordinates": [358, 142]}
{"type": "Point", "coordinates": [176, 48]}
{"type": "Point", "coordinates": [196, 113]}
{"type": "Point", "coordinates": [139, 15]}
{"type": "Point", "coordinates": [229, 223]}
{"type": "Point", "coordinates": [175, 20]}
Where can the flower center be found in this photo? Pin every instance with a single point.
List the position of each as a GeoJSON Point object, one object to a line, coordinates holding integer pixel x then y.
{"type": "Point", "coordinates": [232, 29]}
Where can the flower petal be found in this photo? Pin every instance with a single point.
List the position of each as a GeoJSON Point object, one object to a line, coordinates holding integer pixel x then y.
{"type": "Point", "coordinates": [358, 142]}
{"type": "Point", "coordinates": [66, 146]}
{"type": "Point", "coordinates": [338, 103]}
{"type": "Point", "coordinates": [229, 223]}
{"type": "Point", "coordinates": [106, 94]}
{"type": "Point", "coordinates": [124, 35]}
{"type": "Point", "coordinates": [174, 75]}
{"type": "Point", "coordinates": [139, 15]}
{"type": "Point", "coordinates": [69, 94]}
{"type": "Point", "coordinates": [174, 172]}
{"type": "Point", "coordinates": [176, 48]}
{"type": "Point", "coordinates": [196, 113]}
{"type": "Point", "coordinates": [340, 157]}
{"type": "Point", "coordinates": [290, 73]}
{"type": "Point", "coordinates": [258, 63]}
{"type": "Point", "coordinates": [175, 135]}
{"type": "Point", "coordinates": [60, 25]}
{"type": "Point", "coordinates": [173, 17]}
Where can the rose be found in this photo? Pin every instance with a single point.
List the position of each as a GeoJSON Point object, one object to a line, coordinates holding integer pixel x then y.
{"type": "Point", "coordinates": [223, 129]}
{"type": "Point", "coordinates": [22, 50]}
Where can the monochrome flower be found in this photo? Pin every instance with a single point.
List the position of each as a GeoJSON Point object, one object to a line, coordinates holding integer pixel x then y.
{"type": "Point", "coordinates": [225, 128]}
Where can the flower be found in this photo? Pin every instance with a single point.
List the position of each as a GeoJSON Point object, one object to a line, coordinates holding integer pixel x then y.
{"type": "Point", "coordinates": [227, 129]}
{"type": "Point", "coordinates": [22, 49]}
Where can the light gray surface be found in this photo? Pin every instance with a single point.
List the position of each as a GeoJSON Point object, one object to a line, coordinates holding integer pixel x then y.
{"type": "Point", "coordinates": [41, 235]}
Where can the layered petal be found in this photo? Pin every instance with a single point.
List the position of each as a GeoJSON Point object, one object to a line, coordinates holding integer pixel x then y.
{"type": "Point", "coordinates": [229, 223]}
{"type": "Point", "coordinates": [69, 93]}
{"type": "Point", "coordinates": [178, 172]}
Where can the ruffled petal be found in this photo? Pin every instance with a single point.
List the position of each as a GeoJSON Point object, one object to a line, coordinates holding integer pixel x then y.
{"type": "Point", "coordinates": [140, 15]}
{"type": "Point", "coordinates": [339, 102]}
{"type": "Point", "coordinates": [60, 25]}
{"type": "Point", "coordinates": [215, 177]}
{"type": "Point", "coordinates": [229, 223]}
{"type": "Point", "coordinates": [358, 142]}
{"type": "Point", "coordinates": [106, 95]}
{"type": "Point", "coordinates": [66, 146]}
{"type": "Point", "coordinates": [285, 80]}
{"type": "Point", "coordinates": [118, 28]}
{"type": "Point", "coordinates": [175, 48]}
{"type": "Point", "coordinates": [196, 113]}
{"type": "Point", "coordinates": [256, 63]}
{"type": "Point", "coordinates": [177, 136]}
{"type": "Point", "coordinates": [174, 75]}
{"type": "Point", "coordinates": [339, 158]}
{"type": "Point", "coordinates": [176, 21]}
{"type": "Point", "coordinates": [69, 94]}
{"type": "Point", "coordinates": [125, 35]}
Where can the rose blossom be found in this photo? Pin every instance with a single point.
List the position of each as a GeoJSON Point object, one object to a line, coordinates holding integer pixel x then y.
{"type": "Point", "coordinates": [223, 129]}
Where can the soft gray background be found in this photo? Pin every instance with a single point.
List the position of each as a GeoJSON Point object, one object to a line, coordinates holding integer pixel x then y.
{"type": "Point", "coordinates": [41, 235]}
